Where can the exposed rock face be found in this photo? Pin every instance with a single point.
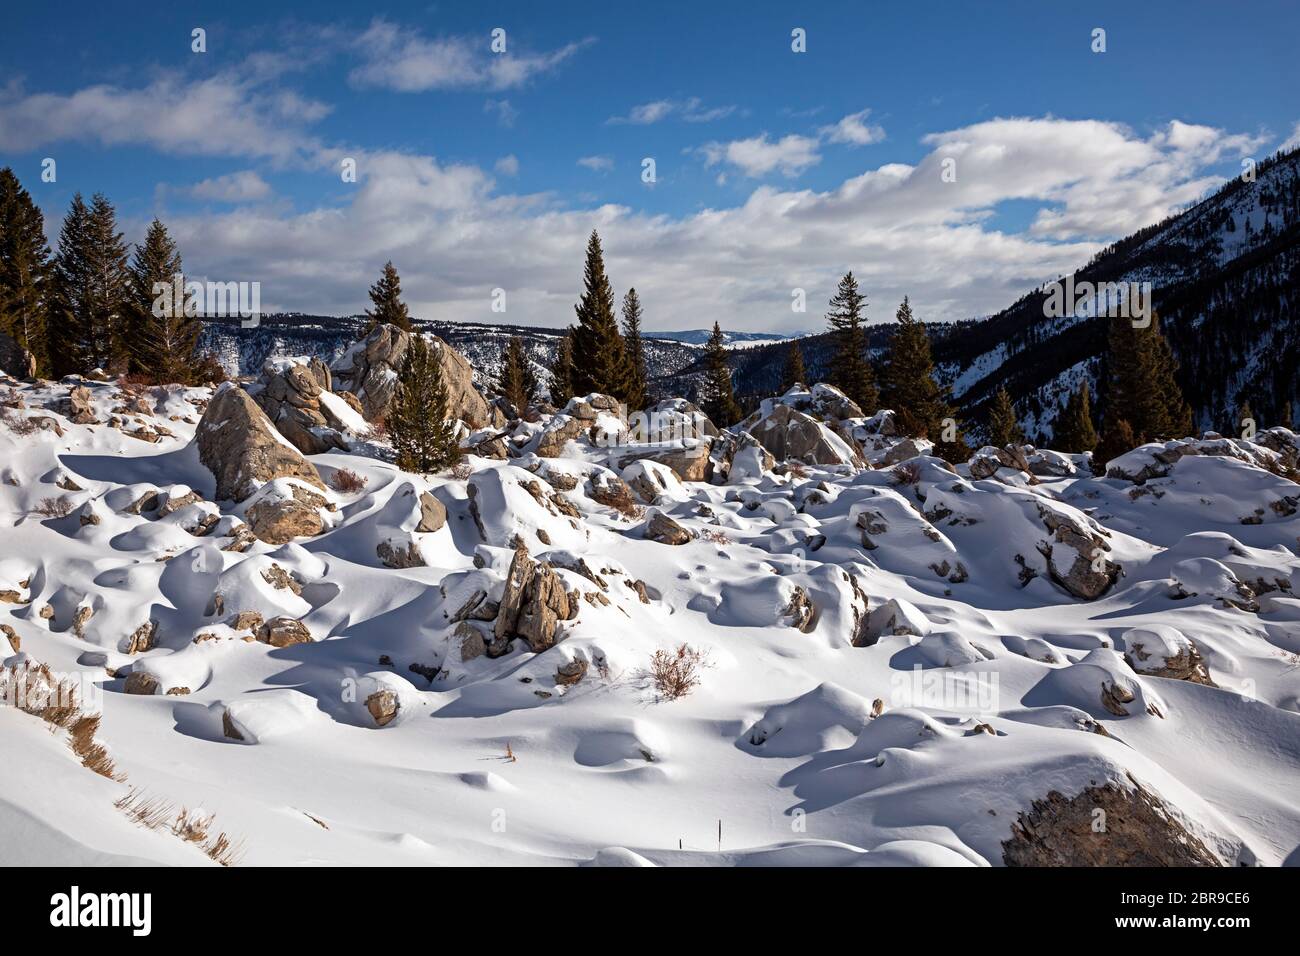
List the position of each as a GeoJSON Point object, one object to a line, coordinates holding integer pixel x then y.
{"type": "Point", "coordinates": [612, 492]}
{"type": "Point", "coordinates": [143, 638]}
{"type": "Point", "coordinates": [533, 604]}
{"type": "Point", "coordinates": [369, 371]}
{"type": "Point", "coordinates": [665, 530]}
{"type": "Point", "coordinates": [908, 448]}
{"type": "Point", "coordinates": [383, 706]}
{"type": "Point", "coordinates": [280, 520]}
{"type": "Point", "coordinates": [16, 360]}
{"type": "Point", "coordinates": [1163, 651]}
{"type": "Point", "coordinates": [985, 462]}
{"type": "Point", "coordinates": [283, 632]}
{"type": "Point", "coordinates": [242, 449]}
{"type": "Point", "coordinates": [789, 434]}
{"type": "Point", "coordinates": [569, 674]}
{"type": "Point", "coordinates": [396, 554]}
{"type": "Point", "coordinates": [78, 408]}
{"type": "Point", "coordinates": [801, 611]}
{"type": "Point", "coordinates": [138, 682]}
{"type": "Point", "coordinates": [290, 396]}
{"type": "Point", "coordinates": [1076, 556]}
{"type": "Point", "coordinates": [1139, 830]}
{"type": "Point", "coordinates": [433, 513]}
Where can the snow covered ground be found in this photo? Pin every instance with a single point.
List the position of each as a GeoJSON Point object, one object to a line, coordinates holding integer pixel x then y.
{"type": "Point", "coordinates": [894, 664]}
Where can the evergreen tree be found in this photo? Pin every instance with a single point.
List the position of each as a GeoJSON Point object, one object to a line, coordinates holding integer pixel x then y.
{"type": "Point", "coordinates": [66, 320]}
{"type": "Point", "coordinates": [518, 384]}
{"type": "Point", "coordinates": [386, 294]}
{"type": "Point", "coordinates": [850, 369]}
{"type": "Point", "coordinates": [110, 288]}
{"type": "Point", "coordinates": [600, 359]}
{"type": "Point", "coordinates": [562, 372]}
{"type": "Point", "coordinates": [792, 373]}
{"type": "Point", "coordinates": [1116, 438]}
{"type": "Point", "coordinates": [86, 324]}
{"type": "Point", "coordinates": [162, 340]}
{"type": "Point", "coordinates": [422, 437]}
{"type": "Point", "coordinates": [1244, 415]}
{"type": "Point", "coordinates": [638, 385]}
{"type": "Point", "coordinates": [1074, 431]}
{"type": "Point", "coordinates": [719, 399]}
{"type": "Point", "coordinates": [910, 389]}
{"type": "Point", "coordinates": [1004, 428]}
{"type": "Point", "coordinates": [1141, 388]}
{"type": "Point", "coordinates": [24, 267]}
{"type": "Point", "coordinates": [1286, 416]}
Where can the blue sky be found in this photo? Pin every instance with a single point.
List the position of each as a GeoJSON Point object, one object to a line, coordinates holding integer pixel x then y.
{"type": "Point", "coordinates": [775, 170]}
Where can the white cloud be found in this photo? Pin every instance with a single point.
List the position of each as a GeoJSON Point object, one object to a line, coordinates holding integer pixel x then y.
{"type": "Point", "coordinates": [692, 110]}
{"type": "Point", "coordinates": [853, 130]}
{"type": "Point", "coordinates": [598, 163]}
{"type": "Point", "coordinates": [505, 113]}
{"type": "Point", "coordinates": [1293, 140]}
{"type": "Point", "coordinates": [405, 61]}
{"type": "Point", "coordinates": [507, 165]}
{"type": "Point", "coordinates": [243, 186]}
{"type": "Point", "coordinates": [758, 156]}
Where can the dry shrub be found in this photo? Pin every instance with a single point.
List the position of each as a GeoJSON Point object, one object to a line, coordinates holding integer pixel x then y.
{"type": "Point", "coordinates": [59, 507]}
{"type": "Point", "coordinates": [224, 851]}
{"type": "Point", "coordinates": [676, 673]}
{"type": "Point", "coordinates": [19, 424]}
{"type": "Point", "coordinates": [462, 471]}
{"type": "Point", "coordinates": [192, 826]}
{"type": "Point", "coordinates": [149, 812]}
{"type": "Point", "coordinates": [906, 473]}
{"type": "Point", "coordinates": [716, 536]}
{"type": "Point", "coordinates": [347, 481]}
{"type": "Point", "coordinates": [796, 468]}
{"type": "Point", "coordinates": [93, 755]}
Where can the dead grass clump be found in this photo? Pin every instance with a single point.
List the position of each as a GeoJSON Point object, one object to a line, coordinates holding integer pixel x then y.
{"type": "Point", "coordinates": [716, 536]}
{"type": "Point", "coordinates": [906, 473]}
{"type": "Point", "coordinates": [152, 813]}
{"type": "Point", "coordinates": [347, 481]}
{"type": "Point", "coordinates": [92, 754]}
{"type": "Point", "coordinates": [462, 471]}
{"type": "Point", "coordinates": [59, 507]}
{"type": "Point", "coordinates": [19, 424]}
{"type": "Point", "coordinates": [192, 826]}
{"type": "Point", "coordinates": [676, 673]}
{"type": "Point", "coordinates": [224, 851]}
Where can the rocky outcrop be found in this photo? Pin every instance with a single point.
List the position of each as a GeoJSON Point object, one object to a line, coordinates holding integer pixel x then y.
{"type": "Point", "coordinates": [14, 359]}
{"type": "Point", "coordinates": [1139, 830]}
{"type": "Point", "coordinates": [77, 406]}
{"type": "Point", "coordinates": [1076, 555]}
{"type": "Point", "coordinates": [790, 434]}
{"type": "Point", "coordinates": [242, 449]}
{"type": "Point", "coordinates": [284, 632]}
{"type": "Point", "coordinates": [291, 397]}
{"type": "Point", "coordinates": [533, 604]}
{"type": "Point", "coordinates": [383, 706]}
{"type": "Point", "coordinates": [278, 519]}
{"type": "Point", "coordinates": [369, 371]}
{"type": "Point", "coordinates": [665, 530]}
{"type": "Point", "coordinates": [433, 513]}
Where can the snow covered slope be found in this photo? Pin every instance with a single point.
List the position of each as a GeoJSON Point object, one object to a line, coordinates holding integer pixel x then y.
{"type": "Point", "coordinates": [895, 663]}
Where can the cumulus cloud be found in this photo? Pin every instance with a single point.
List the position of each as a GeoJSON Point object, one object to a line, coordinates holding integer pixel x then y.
{"type": "Point", "coordinates": [853, 130]}
{"type": "Point", "coordinates": [243, 186]}
{"type": "Point", "coordinates": [599, 164]}
{"type": "Point", "coordinates": [505, 113]}
{"type": "Point", "coordinates": [403, 60]}
{"type": "Point", "coordinates": [507, 165]}
{"type": "Point", "coordinates": [758, 155]}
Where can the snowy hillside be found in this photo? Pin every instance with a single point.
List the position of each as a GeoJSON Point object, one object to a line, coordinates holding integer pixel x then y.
{"type": "Point", "coordinates": [804, 640]}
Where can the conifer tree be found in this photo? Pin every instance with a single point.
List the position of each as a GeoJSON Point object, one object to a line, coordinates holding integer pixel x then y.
{"type": "Point", "coordinates": [1116, 438]}
{"type": "Point", "coordinates": [792, 373]}
{"type": "Point", "coordinates": [91, 290]}
{"type": "Point", "coordinates": [518, 384]}
{"type": "Point", "coordinates": [850, 369]}
{"type": "Point", "coordinates": [910, 389]}
{"type": "Point", "coordinates": [638, 385]}
{"type": "Point", "coordinates": [24, 267]}
{"type": "Point", "coordinates": [162, 340]}
{"type": "Point", "coordinates": [1074, 431]}
{"type": "Point", "coordinates": [562, 372]}
{"type": "Point", "coordinates": [1286, 421]}
{"type": "Point", "coordinates": [422, 437]}
{"type": "Point", "coordinates": [600, 360]}
{"type": "Point", "coordinates": [386, 295]}
{"type": "Point", "coordinates": [1004, 428]}
{"type": "Point", "coordinates": [719, 399]}
{"type": "Point", "coordinates": [1141, 388]}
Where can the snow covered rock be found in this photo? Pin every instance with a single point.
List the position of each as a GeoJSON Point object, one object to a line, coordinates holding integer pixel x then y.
{"type": "Point", "coordinates": [654, 482]}
{"type": "Point", "coordinates": [1076, 553]}
{"type": "Point", "coordinates": [1205, 577]}
{"type": "Point", "coordinates": [665, 530]}
{"type": "Point", "coordinates": [1163, 651]}
{"type": "Point", "coordinates": [533, 604]}
{"type": "Point", "coordinates": [790, 434]}
{"type": "Point", "coordinates": [292, 393]}
{"type": "Point", "coordinates": [243, 450]}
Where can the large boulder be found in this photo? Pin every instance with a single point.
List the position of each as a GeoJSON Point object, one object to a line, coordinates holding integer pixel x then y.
{"type": "Point", "coordinates": [789, 434]}
{"type": "Point", "coordinates": [242, 449]}
{"type": "Point", "coordinates": [533, 604]}
{"type": "Point", "coordinates": [1076, 553]}
{"type": "Point", "coordinates": [291, 394]}
{"type": "Point", "coordinates": [369, 371]}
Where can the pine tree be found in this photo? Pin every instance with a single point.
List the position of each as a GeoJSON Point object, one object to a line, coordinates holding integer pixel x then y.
{"type": "Point", "coordinates": [386, 294]}
{"type": "Point", "coordinates": [162, 340]}
{"type": "Point", "coordinates": [1116, 438]}
{"type": "Point", "coordinates": [910, 389]}
{"type": "Point", "coordinates": [1074, 431]}
{"type": "Point", "coordinates": [86, 324]}
{"type": "Point", "coordinates": [850, 369]}
{"type": "Point", "coordinates": [1286, 421]}
{"type": "Point", "coordinates": [792, 373]}
{"type": "Point", "coordinates": [637, 393]}
{"type": "Point", "coordinates": [1141, 388]}
{"type": "Point", "coordinates": [518, 384]}
{"type": "Point", "coordinates": [562, 372]}
{"type": "Point", "coordinates": [1004, 428]}
{"type": "Point", "coordinates": [423, 438]}
{"type": "Point", "coordinates": [110, 288]}
{"type": "Point", "coordinates": [66, 320]}
{"type": "Point", "coordinates": [600, 359]}
{"type": "Point", "coordinates": [24, 267]}
{"type": "Point", "coordinates": [719, 399]}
